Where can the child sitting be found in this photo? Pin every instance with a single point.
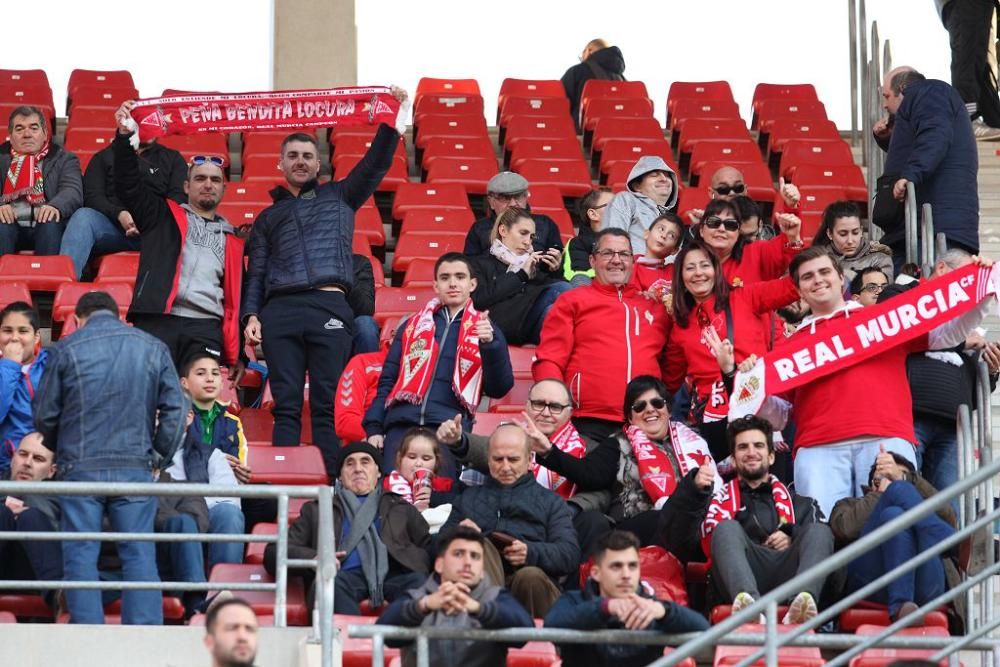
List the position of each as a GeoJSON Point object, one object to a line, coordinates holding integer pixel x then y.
{"type": "Point", "coordinates": [654, 270]}
{"type": "Point", "coordinates": [415, 477]}
{"type": "Point", "coordinates": [21, 368]}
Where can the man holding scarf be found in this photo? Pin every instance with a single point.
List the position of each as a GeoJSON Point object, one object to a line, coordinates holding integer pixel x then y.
{"type": "Point", "coordinates": [382, 540]}
{"type": "Point", "coordinates": [441, 362]}
{"type": "Point", "coordinates": [757, 534]}
{"type": "Point", "coordinates": [42, 185]}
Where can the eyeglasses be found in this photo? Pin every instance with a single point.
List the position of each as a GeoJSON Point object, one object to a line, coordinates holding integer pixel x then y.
{"type": "Point", "coordinates": [606, 255]}
{"type": "Point", "coordinates": [211, 159]}
{"type": "Point", "coordinates": [508, 197]}
{"type": "Point", "coordinates": [555, 409]}
{"type": "Point", "coordinates": [725, 189]}
{"type": "Point", "coordinates": [731, 224]}
{"type": "Point", "coordinates": [598, 207]}
{"type": "Point", "coordinates": [657, 403]}
{"type": "Point", "coordinates": [874, 288]}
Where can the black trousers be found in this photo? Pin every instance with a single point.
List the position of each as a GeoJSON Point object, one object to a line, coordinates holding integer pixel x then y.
{"type": "Point", "coordinates": [968, 24]}
{"type": "Point", "coordinates": [183, 336]}
{"type": "Point", "coordinates": [306, 331]}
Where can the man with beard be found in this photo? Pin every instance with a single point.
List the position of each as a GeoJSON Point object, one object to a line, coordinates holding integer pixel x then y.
{"type": "Point", "coordinates": [231, 633]}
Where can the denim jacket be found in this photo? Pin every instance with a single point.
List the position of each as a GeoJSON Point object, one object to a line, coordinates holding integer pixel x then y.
{"type": "Point", "coordinates": [110, 397]}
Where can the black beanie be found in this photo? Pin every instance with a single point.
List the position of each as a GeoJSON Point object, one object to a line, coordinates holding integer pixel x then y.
{"type": "Point", "coordinates": [359, 447]}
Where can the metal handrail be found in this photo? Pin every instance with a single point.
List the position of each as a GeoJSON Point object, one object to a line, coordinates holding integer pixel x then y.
{"type": "Point", "coordinates": [852, 43]}
{"type": "Point", "coordinates": [865, 84]}
{"type": "Point", "coordinates": [927, 244]}
{"type": "Point", "coordinates": [910, 219]}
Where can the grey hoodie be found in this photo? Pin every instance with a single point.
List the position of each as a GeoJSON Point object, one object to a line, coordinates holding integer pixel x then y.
{"type": "Point", "coordinates": [634, 212]}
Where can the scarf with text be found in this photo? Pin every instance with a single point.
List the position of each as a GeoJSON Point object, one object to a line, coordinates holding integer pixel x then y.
{"type": "Point", "coordinates": [394, 482]}
{"type": "Point", "coordinates": [726, 504]}
{"type": "Point", "coordinates": [24, 177]}
{"type": "Point", "coordinates": [656, 471]}
{"type": "Point", "coordinates": [845, 341]}
{"type": "Point", "coordinates": [567, 439]}
{"type": "Point", "coordinates": [276, 110]}
{"type": "Point", "coordinates": [419, 358]}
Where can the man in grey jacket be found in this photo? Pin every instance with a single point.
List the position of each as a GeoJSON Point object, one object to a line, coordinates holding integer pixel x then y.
{"type": "Point", "coordinates": [651, 191]}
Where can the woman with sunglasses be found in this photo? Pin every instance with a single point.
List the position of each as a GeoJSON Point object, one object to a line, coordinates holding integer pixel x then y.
{"type": "Point", "coordinates": [704, 301]}
{"type": "Point", "coordinates": [744, 262]}
{"type": "Point", "coordinates": [842, 234]}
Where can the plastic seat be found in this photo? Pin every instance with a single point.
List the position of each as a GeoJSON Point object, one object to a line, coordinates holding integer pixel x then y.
{"type": "Point", "coordinates": [788, 656]}
{"type": "Point", "coordinates": [92, 119]}
{"type": "Point", "coordinates": [487, 422]}
{"type": "Point", "coordinates": [702, 129]}
{"type": "Point", "coordinates": [13, 291]}
{"type": "Point", "coordinates": [205, 143]}
{"type": "Point", "coordinates": [252, 192]}
{"type": "Point", "coordinates": [7, 617]}
{"type": "Point", "coordinates": [446, 104]}
{"type": "Point", "coordinates": [533, 654]}
{"type": "Point", "coordinates": [359, 145]}
{"type": "Point", "coordinates": [69, 294]}
{"type": "Point", "coordinates": [510, 88]}
{"type": "Point", "coordinates": [721, 612]}
{"type": "Point", "coordinates": [286, 465]}
{"type": "Point", "coordinates": [784, 130]}
{"type": "Point", "coordinates": [263, 601]}
{"type": "Point", "coordinates": [691, 198]}
{"type": "Point", "coordinates": [597, 88]}
{"type": "Point", "coordinates": [519, 106]}
{"type": "Point", "coordinates": [428, 85]}
{"type": "Point", "coordinates": [849, 177]}
{"type": "Point", "coordinates": [538, 127]}
{"type": "Point", "coordinates": [400, 301]}
{"type": "Point", "coordinates": [772, 110]}
{"type": "Point", "coordinates": [88, 141]}
{"type": "Point", "coordinates": [25, 606]}
{"type": "Point", "coordinates": [95, 78]}
{"type": "Point", "coordinates": [357, 652]}
{"type": "Point", "coordinates": [264, 169]}
{"type": "Point", "coordinates": [873, 614]}
{"type": "Point", "coordinates": [257, 426]}
{"type": "Point", "coordinates": [346, 134]}
{"type": "Point", "coordinates": [624, 128]}
{"type": "Point", "coordinates": [479, 147]}
{"type": "Point", "coordinates": [28, 95]}
{"type": "Point", "coordinates": [521, 359]}
{"type": "Point", "coordinates": [120, 267]}
{"type": "Point", "coordinates": [572, 177]}
{"type": "Point", "coordinates": [471, 173]}
{"type": "Point", "coordinates": [780, 91]}
{"type": "Point", "coordinates": [255, 550]}
{"type": "Point", "coordinates": [449, 127]}
{"type": "Point", "coordinates": [173, 610]}
{"type": "Point", "coordinates": [756, 177]}
{"type": "Point", "coordinates": [423, 245]}
{"type": "Point", "coordinates": [420, 272]}
{"type": "Point", "coordinates": [104, 97]}
{"type": "Point", "coordinates": [800, 152]}
{"type": "Point", "coordinates": [688, 108]}
{"type": "Point", "coordinates": [398, 172]}
{"type": "Point", "coordinates": [544, 197]}
{"type": "Point", "coordinates": [368, 223]}
{"type": "Point", "coordinates": [240, 214]}
{"type": "Point", "coordinates": [630, 150]}
{"type": "Point", "coordinates": [697, 90]}
{"type": "Point", "coordinates": [24, 77]}
{"type": "Point", "coordinates": [735, 151]}
{"type": "Point", "coordinates": [614, 107]}
{"type": "Point", "coordinates": [40, 274]}
{"type": "Point", "coordinates": [430, 221]}
{"type": "Point", "coordinates": [514, 400]}
{"type": "Point", "coordinates": [425, 196]}
{"type": "Point", "coordinates": [880, 657]}
{"type": "Point", "coordinates": [546, 149]}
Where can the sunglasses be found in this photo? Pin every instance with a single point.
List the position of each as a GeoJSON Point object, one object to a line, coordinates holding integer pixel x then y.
{"type": "Point", "coordinates": [657, 403]}
{"type": "Point", "coordinates": [724, 189]}
{"type": "Point", "coordinates": [211, 159]}
{"type": "Point", "coordinates": [731, 224]}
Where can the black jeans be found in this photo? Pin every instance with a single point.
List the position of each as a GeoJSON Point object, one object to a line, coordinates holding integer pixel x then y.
{"type": "Point", "coordinates": [350, 589]}
{"type": "Point", "coordinates": [307, 331]}
{"type": "Point", "coordinates": [968, 24]}
{"type": "Point", "coordinates": [183, 336]}
{"type": "Point", "coordinates": [29, 559]}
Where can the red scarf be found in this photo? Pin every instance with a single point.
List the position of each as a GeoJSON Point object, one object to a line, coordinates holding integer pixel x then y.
{"type": "Point", "coordinates": [394, 482]}
{"type": "Point", "coordinates": [277, 110]}
{"type": "Point", "coordinates": [420, 353]}
{"type": "Point", "coordinates": [567, 440]}
{"type": "Point", "coordinates": [24, 177]}
{"type": "Point", "coordinates": [845, 341]}
{"type": "Point", "coordinates": [656, 472]}
{"type": "Point", "coordinates": [726, 505]}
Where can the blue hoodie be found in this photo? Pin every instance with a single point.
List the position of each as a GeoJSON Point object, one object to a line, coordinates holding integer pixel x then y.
{"type": "Point", "coordinates": [16, 392]}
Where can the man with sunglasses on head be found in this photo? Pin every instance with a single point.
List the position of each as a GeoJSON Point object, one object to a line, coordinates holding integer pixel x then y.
{"type": "Point", "coordinates": [187, 289]}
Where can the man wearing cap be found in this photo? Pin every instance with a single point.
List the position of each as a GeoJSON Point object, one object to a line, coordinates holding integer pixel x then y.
{"type": "Point", "coordinates": [650, 192]}
{"type": "Point", "coordinates": [508, 189]}
{"type": "Point", "coordinates": [382, 540]}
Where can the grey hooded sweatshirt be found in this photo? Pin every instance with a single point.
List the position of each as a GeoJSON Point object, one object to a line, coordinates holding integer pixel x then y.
{"type": "Point", "coordinates": [634, 212]}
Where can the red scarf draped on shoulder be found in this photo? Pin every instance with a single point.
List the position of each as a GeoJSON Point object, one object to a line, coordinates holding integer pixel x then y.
{"type": "Point", "coordinates": [24, 177]}
{"type": "Point", "coordinates": [656, 472]}
{"type": "Point", "coordinates": [567, 439]}
{"type": "Point", "coordinates": [726, 504]}
{"type": "Point", "coordinates": [420, 354]}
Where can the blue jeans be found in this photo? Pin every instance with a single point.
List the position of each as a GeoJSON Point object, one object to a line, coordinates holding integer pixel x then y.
{"type": "Point", "coordinates": [366, 334]}
{"type": "Point", "coordinates": [90, 232]}
{"type": "Point", "coordinates": [183, 561]}
{"type": "Point", "coordinates": [937, 450]}
{"type": "Point", "coordinates": [350, 589]}
{"type": "Point", "coordinates": [539, 309]}
{"type": "Point", "coordinates": [43, 239]}
{"type": "Point", "coordinates": [131, 514]}
{"type": "Point", "coordinates": [225, 519]}
{"type": "Point", "coordinates": [920, 585]}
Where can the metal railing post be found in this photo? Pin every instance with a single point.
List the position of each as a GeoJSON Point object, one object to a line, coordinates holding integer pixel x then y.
{"type": "Point", "coordinates": [910, 216]}
{"type": "Point", "coordinates": [852, 43]}
{"type": "Point", "coordinates": [926, 242]}
{"type": "Point", "coordinates": [866, 92]}
{"type": "Point", "coordinates": [281, 565]}
{"type": "Point", "coordinates": [326, 571]}
{"type": "Point", "coordinates": [986, 459]}
{"type": "Point", "coordinates": [771, 656]}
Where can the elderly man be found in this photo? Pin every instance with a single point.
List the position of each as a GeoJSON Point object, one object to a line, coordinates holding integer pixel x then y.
{"type": "Point", "coordinates": [382, 540]}
{"type": "Point", "coordinates": [42, 186]}
{"type": "Point", "coordinates": [530, 528]}
{"type": "Point", "coordinates": [231, 633]}
{"type": "Point", "coordinates": [508, 189]}
{"type": "Point", "coordinates": [598, 337]}
{"type": "Point", "coordinates": [651, 191]}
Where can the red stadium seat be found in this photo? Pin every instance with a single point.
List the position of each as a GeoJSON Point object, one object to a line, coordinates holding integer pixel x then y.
{"type": "Point", "coordinates": [480, 147]}
{"type": "Point", "coordinates": [420, 273]}
{"type": "Point", "coordinates": [69, 294]}
{"type": "Point", "coordinates": [263, 601]}
{"type": "Point", "coordinates": [788, 656]}
{"type": "Point", "coordinates": [257, 426]}
{"type": "Point", "coordinates": [700, 129]}
{"type": "Point", "coordinates": [521, 359]}
{"type": "Point", "coordinates": [614, 107]}
{"type": "Point", "coordinates": [784, 130]}
{"type": "Point", "coordinates": [597, 88]}
{"type": "Point", "coordinates": [239, 214]}
{"type": "Point", "coordinates": [516, 107]}
{"type": "Point", "coordinates": [443, 104]}
{"type": "Point", "coordinates": [357, 146]}
{"type": "Point", "coordinates": [487, 422]}
{"type": "Point", "coordinates": [513, 402]}
{"type": "Point", "coordinates": [263, 143]}
{"type": "Point", "coordinates": [94, 78]}
{"type": "Point", "coordinates": [7, 617]}
{"type": "Point", "coordinates": [756, 177]}
{"type": "Point", "coordinates": [571, 177]}
{"type": "Point", "coordinates": [263, 169]}
{"type": "Point", "coordinates": [40, 274]}
{"type": "Point", "coordinates": [351, 135]}
{"type": "Point", "coordinates": [880, 657]}
{"type": "Point", "coordinates": [721, 612]}
{"type": "Point", "coordinates": [697, 90]}
{"type": "Point", "coordinates": [538, 127]}
{"type": "Point", "coordinates": [471, 173]}
{"type": "Point", "coordinates": [400, 301]}
{"type": "Point", "coordinates": [874, 614]}
{"type": "Point", "coordinates": [255, 550]}
{"type": "Point", "coordinates": [847, 177]}
{"type": "Point", "coordinates": [735, 151]}
{"type": "Point", "coordinates": [624, 128]}
{"type": "Point", "coordinates": [543, 198]}
{"type": "Point", "coordinates": [206, 143]}
{"type": "Point", "coordinates": [250, 193]}
{"type": "Point", "coordinates": [398, 173]}
{"type": "Point", "coordinates": [378, 273]}
{"type": "Point", "coordinates": [13, 291]}
{"type": "Point", "coordinates": [529, 88]}
{"type": "Point", "coordinates": [92, 119]}
{"type": "Point", "coordinates": [357, 652]}
{"type": "Point", "coordinates": [533, 654]}
{"type": "Point", "coordinates": [173, 610]}
{"type": "Point", "coordinates": [430, 221]}
{"type": "Point", "coordinates": [799, 152]}
{"type": "Point", "coordinates": [449, 127]}
{"type": "Point", "coordinates": [368, 223]}
{"type": "Point", "coordinates": [108, 98]}
{"type": "Point", "coordinates": [428, 85]}
{"type": "Point", "coordinates": [630, 150]}
{"type": "Point", "coordinates": [88, 140]}
{"type": "Point", "coordinates": [563, 221]}
{"type": "Point", "coordinates": [27, 94]}
{"type": "Point", "coordinates": [286, 465]}
{"type": "Point", "coordinates": [546, 149]}
{"type": "Point", "coordinates": [25, 606]}
{"type": "Point", "coordinates": [424, 245]}
{"type": "Point", "coordinates": [417, 196]}
{"type": "Point", "coordinates": [24, 77]}
{"type": "Point", "coordinates": [776, 109]}
{"type": "Point", "coordinates": [802, 92]}
{"type": "Point", "coordinates": [691, 198]}
{"type": "Point", "coordinates": [686, 109]}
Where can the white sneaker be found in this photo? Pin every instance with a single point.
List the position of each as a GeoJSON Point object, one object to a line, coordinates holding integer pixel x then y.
{"type": "Point", "coordinates": [984, 132]}
{"type": "Point", "coordinates": [802, 609]}
{"type": "Point", "coordinates": [744, 600]}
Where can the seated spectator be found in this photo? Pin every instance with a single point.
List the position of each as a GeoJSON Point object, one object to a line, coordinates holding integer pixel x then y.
{"type": "Point", "coordinates": [214, 426]}
{"type": "Point", "coordinates": [576, 259]}
{"type": "Point", "coordinates": [381, 539]}
{"type": "Point", "coordinates": [727, 184]}
{"type": "Point", "coordinates": [614, 598]}
{"type": "Point", "coordinates": [457, 595]}
{"type": "Point", "coordinates": [598, 337]}
{"type": "Point", "coordinates": [356, 391]}
{"type": "Point", "coordinates": [503, 191]}
{"type": "Point", "coordinates": [753, 226]}
{"type": "Point", "coordinates": [532, 542]}
{"type": "Point", "coordinates": [22, 362]}
{"type": "Point", "coordinates": [514, 283]}
{"type": "Point", "coordinates": [651, 191]}
{"type": "Point", "coordinates": [417, 477]}
{"type": "Point", "coordinates": [836, 440]}
{"type": "Point", "coordinates": [842, 234]}
{"type": "Point", "coordinates": [654, 271]}
{"type": "Point", "coordinates": [28, 559]}
{"type": "Point", "coordinates": [599, 60]}
{"type": "Point", "coordinates": [440, 363]}
{"type": "Point", "coordinates": [231, 633]}
{"type": "Point", "coordinates": [894, 487]}
{"type": "Point", "coordinates": [361, 299]}
{"type": "Point", "coordinates": [105, 225]}
{"type": "Point", "coordinates": [183, 561]}
{"type": "Point", "coordinates": [792, 315]}
{"type": "Point", "coordinates": [42, 185]}
{"type": "Point", "coordinates": [867, 284]}
{"type": "Point", "coordinates": [758, 534]}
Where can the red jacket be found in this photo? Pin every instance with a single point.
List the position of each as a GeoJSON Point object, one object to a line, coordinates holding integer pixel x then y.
{"type": "Point", "coordinates": [657, 278]}
{"type": "Point", "coordinates": [596, 339]}
{"type": "Point", "coordinates": [355, 392]}
{"type": "Point", "coordinates": [761, 260]}
{"type": "Point", "coordinates": [687, 351]}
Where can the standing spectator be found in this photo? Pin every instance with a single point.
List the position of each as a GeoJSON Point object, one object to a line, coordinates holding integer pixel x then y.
{"type": "Point", "coordinates": [191, 262]}
{"type": "Point", "coordinates": [361, 299]}
{"type": "Point", "coordinates": [503, 191]}
{"type": "Point", "coordinates": [650, 192]}
{"type": "Point", "coordinates": [841, 233]}
{"type": "Point", "coordinates": [753, 227]}
{"type": "Point", "coordinates": [614, 599]}
{"type": "Point", "coordinates": [971, 26]}
{"type": "Point", "coordinates": [441, 362]}
{"type": "Point", "coordinates": [457, 595]}
{"type": "Point", "coordinates": [299, 275]}
{"type": "Point", "coordinates": [356, 391]}
{"type": "Point", "coordinates": [599, 60]}
{"type": "Point", "coordinates": [231, 633]}
{"type": "Point", "coordinates": [95, 374]}
{"type": "Point", "coordinates": [598, 337]}
{"type": "Point", "coordinates": [22, 363]}
{"type": "Point", "coordinates": [576, 260]}
{"type": "Point", "coordinates": [515, 283]}
{"type": "Point", "coordinates": [105, 225]}
{"type": "Point", "coordinates": [42, 185]}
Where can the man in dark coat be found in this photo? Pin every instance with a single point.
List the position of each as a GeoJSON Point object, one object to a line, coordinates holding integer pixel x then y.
{"type": "Point", "coordinates": [508, 189]}
{"type": "Point", "coordinates": [598, 61]}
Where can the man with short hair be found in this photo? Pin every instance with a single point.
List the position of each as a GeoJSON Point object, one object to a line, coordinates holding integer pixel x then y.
{"type": "Point", "coordinates": [42, 185]}
{"type": "Point", "coordinates": [503, 191]}
{"type": "Point", "coordinates": [576, 260]}
{"type": "Point", "coordinates": [441, 361]}
{"type": "Point", "coordinates": [231, 633]}
{"type": "Point", "coordinates": [615, 598]}
{"type": "Point", "coordinates": [599, 60]}
{"type": "Point", "coordinates": [758, 534]}
{"type": "Point", "coordinates": [596, 338]}
{"type": "Point", "coordinates": [651, 191]}
{"type": "Point", "coordinates": [867, 284]}
{"type": "Point", "coordinates": [381, 539]}
{"type": "Point", "coordinates": [109, 403]}
{"type": "Point", "coordinates": [458, 595]}
{"type": "Point", "coordinates": [530, 528]}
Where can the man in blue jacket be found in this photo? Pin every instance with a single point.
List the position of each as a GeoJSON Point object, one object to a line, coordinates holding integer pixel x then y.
{"type": "Point", "coordinates": [440, 363]}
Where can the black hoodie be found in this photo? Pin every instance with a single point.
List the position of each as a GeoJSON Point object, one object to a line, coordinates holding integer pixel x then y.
{"type": "Point", "coordinates": [607, 64]}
